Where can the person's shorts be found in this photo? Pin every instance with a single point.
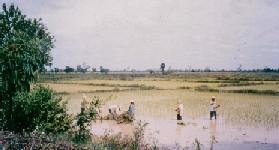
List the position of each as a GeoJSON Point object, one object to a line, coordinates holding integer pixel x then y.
{"type": "Point", "coordinates": [179, 117]}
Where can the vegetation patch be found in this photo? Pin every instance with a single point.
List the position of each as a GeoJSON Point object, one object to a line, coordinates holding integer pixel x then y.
{"type": "Point", "coordinates": [241, 84]}
{"type": "Point", "coordinates": [184, 87]}
{"type": "Point", "coordinates": [125, 117]}
{"type": "Point", "coordinates": [250, 91]}
{"type": "Point", "coordinates": [218, 81]}
{"type": "Point", "coordinates": [62, 93]}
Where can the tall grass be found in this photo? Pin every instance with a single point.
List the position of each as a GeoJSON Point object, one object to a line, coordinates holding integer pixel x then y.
{"type": "Point", "coordinates": [236, 109]}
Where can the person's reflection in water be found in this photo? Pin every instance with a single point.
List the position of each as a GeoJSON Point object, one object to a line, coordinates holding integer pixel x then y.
{"type": "Point", "coordinates": [177, 135]}
{"type": "Point", "coordinates": [213, 132]}
{"type": "Point", "coordinates": [213, 127]}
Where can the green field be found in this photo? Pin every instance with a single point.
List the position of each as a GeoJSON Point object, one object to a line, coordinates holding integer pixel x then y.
{"type": "Point", "coordinates": [250, 99]}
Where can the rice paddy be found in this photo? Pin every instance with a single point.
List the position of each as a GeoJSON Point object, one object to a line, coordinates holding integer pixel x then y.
{"type": "Point", "coordinates": [155, 97]}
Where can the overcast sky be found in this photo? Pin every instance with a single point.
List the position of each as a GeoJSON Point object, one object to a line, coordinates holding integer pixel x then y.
{"type": "Point", "coordinates": [117, 34]}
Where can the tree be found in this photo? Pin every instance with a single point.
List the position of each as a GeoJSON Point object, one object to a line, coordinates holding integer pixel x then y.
{"type": "Point", "coordinates": [82, 69]}
{"type": "Point", "coordinates": [207, 69]}
{"type": "Point", "coordinates": [103, 70]}
{"type": "Point", "coordinates": [25, 46]}
{"type": "Point", "coordinates": [239, 69]}
{"type": "Point", "coordinates": [267, 69]}
{"type": "Point", "coordinates": [69, 69]}
{"type": "Point", "coordinates": [163, 67]}
{"type": "Point", "coordinates": [79, 68]}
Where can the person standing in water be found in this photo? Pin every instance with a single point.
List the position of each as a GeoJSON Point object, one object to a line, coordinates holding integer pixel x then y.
{"type": "Point", "coordinates": [84, 104]}
{"type": "Point", "coordinates": [132, 108]}
{"type": "Point", "coordinates": [180, 111]}
{"type": "Point", "coordinates": [213, 106]}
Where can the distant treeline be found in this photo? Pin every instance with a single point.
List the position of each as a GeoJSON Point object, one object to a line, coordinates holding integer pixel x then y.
{"type": "Point", "coordinates": [79, 69]}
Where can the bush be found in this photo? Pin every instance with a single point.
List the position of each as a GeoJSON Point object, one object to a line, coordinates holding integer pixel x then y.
{"type": "Point", "coordinates": [40, 107]}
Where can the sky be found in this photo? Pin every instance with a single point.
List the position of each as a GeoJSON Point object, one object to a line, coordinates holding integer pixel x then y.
{"type": "Point", "coordinates": [142, 34]}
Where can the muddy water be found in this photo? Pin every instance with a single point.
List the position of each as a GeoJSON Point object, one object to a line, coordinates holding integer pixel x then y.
{"type": "Point", "coordinates": [212, 134]}
{"type": "Point", "coordinates": [100, 127]}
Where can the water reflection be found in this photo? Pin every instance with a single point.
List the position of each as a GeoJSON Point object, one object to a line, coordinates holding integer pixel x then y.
{"type": "Point", "coordinates": [178, 134]}
{"type": "Point", "coordinates": [213, 133]}
{"type": "Point", "coordinates": [213, 128]}
{"type": "Point", "coordinates": [210, 133]}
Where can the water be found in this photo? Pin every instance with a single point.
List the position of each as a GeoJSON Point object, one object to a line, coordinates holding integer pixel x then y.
{"type": "Point", "coordinates": [212, 134]}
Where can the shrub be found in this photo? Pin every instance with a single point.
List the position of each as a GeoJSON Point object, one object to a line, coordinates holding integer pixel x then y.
{"type": "Point", "coordinates": [40, 107]}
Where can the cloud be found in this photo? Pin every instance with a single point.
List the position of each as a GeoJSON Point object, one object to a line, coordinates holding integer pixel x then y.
{"type": "Point", "coordinates": [143, 34]}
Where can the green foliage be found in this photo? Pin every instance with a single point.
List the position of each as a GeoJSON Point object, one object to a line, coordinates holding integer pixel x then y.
{"type": "Point", "coordinates": [83, 120]}
{"type": "Point", "coordinates": [94, 108]}
{"type": "Point", "coordinates": [41, 107]}
{"type": "Point", "coordinates": [89, 114]}
{"type": "Point", "coordinates": [24, 50]}
{"type": "Point", "coordinates": [82, 136]}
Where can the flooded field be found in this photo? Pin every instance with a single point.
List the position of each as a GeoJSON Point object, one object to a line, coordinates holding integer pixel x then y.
{"type": "Point", "coordinates": [212, 134]}
{"type": "Point", "coordinates": [247, 119]}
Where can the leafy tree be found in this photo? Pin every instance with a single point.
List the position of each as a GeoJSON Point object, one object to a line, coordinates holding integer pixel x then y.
{"type": "Point", "coordinates": [267, 69]}
{"type": "Point", "coordinates": [103, 70]}
{"type": "Point", "coordinates": [69, 69]}
{"type": "Point", "coordinates": [24, 50]}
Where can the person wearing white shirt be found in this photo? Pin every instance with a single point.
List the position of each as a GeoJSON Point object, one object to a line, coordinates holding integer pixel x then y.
{"type": "Point", "coordinates": [114, 109]}
{"type": "Point", "coordinates": [213, 106]}
{"type": "Point", "coordinates": [179, 110]}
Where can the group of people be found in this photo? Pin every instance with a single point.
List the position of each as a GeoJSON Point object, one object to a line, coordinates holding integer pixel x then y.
{"type": "Point", "coordinates": [213, 106]}
{"type": "Point", "coordinates": [115, 109]}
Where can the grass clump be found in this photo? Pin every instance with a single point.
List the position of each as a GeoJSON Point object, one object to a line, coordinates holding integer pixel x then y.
{"type": "Point", "coordinates": [125, 117]}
